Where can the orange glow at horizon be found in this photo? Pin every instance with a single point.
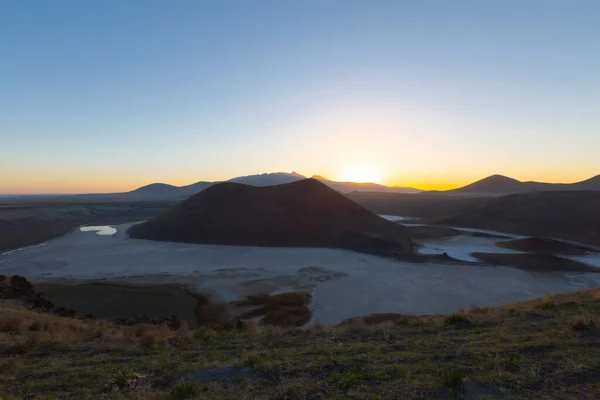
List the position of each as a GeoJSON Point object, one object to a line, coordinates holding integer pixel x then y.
{"type": "Point", "coordinates": [361, 173]}
{"type": "Point", "coordinates": [77, 185]}
{"type": "Point", "coordinates": [99, 183]}
{"type": "Point", "coordinates": [429, 185]}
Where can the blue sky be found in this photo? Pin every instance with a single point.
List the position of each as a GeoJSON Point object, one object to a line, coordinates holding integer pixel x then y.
{"type": "Point", "coordinates": [108, 95]}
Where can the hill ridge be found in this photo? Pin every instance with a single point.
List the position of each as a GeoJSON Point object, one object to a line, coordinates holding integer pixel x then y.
{"type": "Point", "coordinates": [265, 179]}
{"type": "Point", "coordinates": [502, 184]}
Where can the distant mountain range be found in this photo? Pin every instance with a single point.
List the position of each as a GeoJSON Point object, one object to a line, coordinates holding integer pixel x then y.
{"type": "Point", "coordinates": [492, 185]}
{"type": "Point", "coordinates": [164, 190]}
{"type": "Point", "coordinates": [499, 184]}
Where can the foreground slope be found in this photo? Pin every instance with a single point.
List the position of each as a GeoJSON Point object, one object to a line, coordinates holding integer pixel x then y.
{"type": "Point", "coordinates": [305, 213]}
{"type": "Point", "coordinates": [544, 349]}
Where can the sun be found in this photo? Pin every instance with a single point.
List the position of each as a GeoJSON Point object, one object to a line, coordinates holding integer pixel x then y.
{"type": "Point", "coordinates": [361, 173]}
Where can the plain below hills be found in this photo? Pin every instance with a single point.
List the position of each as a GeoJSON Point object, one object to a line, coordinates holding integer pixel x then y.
{"type": "Point", "coordinates": [305, 213]}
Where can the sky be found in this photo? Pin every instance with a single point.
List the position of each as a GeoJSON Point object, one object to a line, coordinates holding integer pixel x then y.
{"type": "Point", "coordinates": [106, 96]}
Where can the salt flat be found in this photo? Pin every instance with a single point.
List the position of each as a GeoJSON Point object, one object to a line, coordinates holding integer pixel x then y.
{"type": "Point", "coordinates": [344, 283]}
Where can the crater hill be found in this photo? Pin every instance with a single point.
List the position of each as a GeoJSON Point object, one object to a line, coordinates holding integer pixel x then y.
{"type": "Point", "coordinates": [305, 213]}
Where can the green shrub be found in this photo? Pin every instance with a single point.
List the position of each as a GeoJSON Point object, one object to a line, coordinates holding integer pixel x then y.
{"type": "Point", "coordinates": [345, 380]}
{"type": "Point", "coordinates": [582, 323]}
{"type": "Point", "coordinates": [126, 379]}
{"type": "Point", "coordinates": [250, 360]}
{"type": "Point", "coordinates": [184, 390]}
{"type": "Point", "coordinates": [513, 361]}
{"type": "Point", "coordinates": [453, 379]}
{"type": "Point", "coordinates": [457, 319]}
{"type": "Point", "coordinates": [546, 305]}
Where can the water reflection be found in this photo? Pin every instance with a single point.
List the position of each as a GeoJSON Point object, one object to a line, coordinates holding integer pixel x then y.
{"type": "Point", "coordinates": [100, 230]}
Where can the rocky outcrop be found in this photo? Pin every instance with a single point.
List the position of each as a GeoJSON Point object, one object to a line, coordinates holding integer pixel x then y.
{"type": "Point", "coordinates": [15, 287]}
{"type": "Point", "coordinates": [19, 288]}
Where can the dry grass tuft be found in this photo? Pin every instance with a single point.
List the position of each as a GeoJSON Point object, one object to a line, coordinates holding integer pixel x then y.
{"type": "Point", "coordinates": [581, 323]}
{"type": "Point", "coordinates": [10, 323]}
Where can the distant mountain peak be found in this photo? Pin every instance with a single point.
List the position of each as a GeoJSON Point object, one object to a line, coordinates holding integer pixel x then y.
{"type": "Point", "coordinates": [501, 184]}
{"type": "Point", "coordinates": [319, 177]}
{"type": "Point", "coordinates": [593, 179]}
{"type": "Point", "coordinates": [499, 178]}
{"type": "Point", "coordinates": [492, 184]}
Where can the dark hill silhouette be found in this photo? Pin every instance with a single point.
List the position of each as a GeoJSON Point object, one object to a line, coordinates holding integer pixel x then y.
{"type": "Point", "coordinates": [155, 189]}
{"type": "Point", "coordinates": [305, 213]}
{"type": "Point", "coordinates": [170, 191]}
{"type": "Point", "coordinates": [589, 184]}
{"type": "Point", "coordinates": [569, 215]}
{"type": "Point", "coordinates": [275, 178]}
{"type": "Point", "coordinates": [166, 190]}
{"type": "Point", "coordinates": [500, 184]}
{"type": "Point", "coordinates": [492, 184]}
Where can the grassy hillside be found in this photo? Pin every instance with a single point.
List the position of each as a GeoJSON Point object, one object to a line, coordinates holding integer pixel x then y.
{"type": "Point", "coordinates": [543, 349]}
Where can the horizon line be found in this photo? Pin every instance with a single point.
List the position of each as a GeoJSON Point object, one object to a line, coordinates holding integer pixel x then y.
{"type": "Point", "coordinates": [420, 187]}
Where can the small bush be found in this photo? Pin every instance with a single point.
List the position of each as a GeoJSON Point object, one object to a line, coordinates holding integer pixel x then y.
{"type": "Point", "coordinates": [184, 327]}
{"type": "Point", "coordinates": [9, 323]}
{"type": "Point", "coordinates": [344, 381]}
{"type": "Point", "coordinates": [185, 390]}
{"type": "Point", "coordinates": [250, 360]}
{"type": "Point", "coordinates": [457, 319]}
{"type": "Point", "coordinates": [582, 323]}
{"type": "Point", "coordinates": [513, 361]}
{"type": "Point", "coordinates": [401, 370]}
{"type": "Point", "coordinates": [7, 365]}
{"type": "Point", "coordinates": [37, 326]}
{"type": "Point", "coordinates": [150, 339]}
{"type": "Point", "coordinates": [251, 326]}
{"type": "Point", "coordinates": [453, 379]}
{"type": "Point", "coordinates": [546, 305]}
{"type": "Point", "coordinates": [126, 379]}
